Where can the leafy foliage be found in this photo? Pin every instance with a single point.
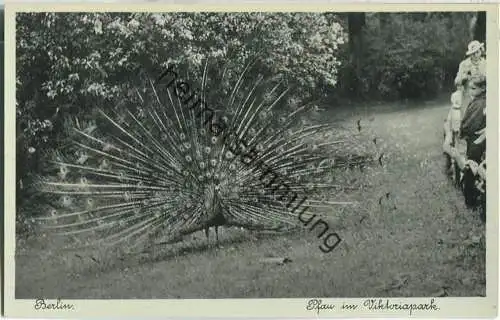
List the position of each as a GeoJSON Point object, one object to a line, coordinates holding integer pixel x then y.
{"type": "Point", "coordinates": [70, 63]}
{"type": "Point", "coordinates": [408, 55]}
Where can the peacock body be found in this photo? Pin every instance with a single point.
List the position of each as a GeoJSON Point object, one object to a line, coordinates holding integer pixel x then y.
{"type": "Point", "coordinates": [159, 168]}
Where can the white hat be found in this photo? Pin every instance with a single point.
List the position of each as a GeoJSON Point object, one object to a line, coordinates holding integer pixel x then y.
{"type": "Point", "coordinates": [473, 47]}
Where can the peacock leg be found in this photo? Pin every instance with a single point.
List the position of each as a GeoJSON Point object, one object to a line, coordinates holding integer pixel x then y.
{"type": "Point", "coordinates": [207, 231]}
{"type": "Point", "coordinates": [216, 234]}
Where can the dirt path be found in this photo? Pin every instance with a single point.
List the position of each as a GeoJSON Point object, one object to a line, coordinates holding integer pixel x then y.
{"type": "Point", "coordinates": [411, 236]}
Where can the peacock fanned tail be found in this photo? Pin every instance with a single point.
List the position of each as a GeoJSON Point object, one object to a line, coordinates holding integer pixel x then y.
{"type": "Point", "coordinates": [158, 169]}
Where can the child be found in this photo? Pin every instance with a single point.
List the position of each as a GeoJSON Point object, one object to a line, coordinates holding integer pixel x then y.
{"type": "Point", "coordinates": [452, 126]}
{"type": "Point", "coordinates": [455, 112]}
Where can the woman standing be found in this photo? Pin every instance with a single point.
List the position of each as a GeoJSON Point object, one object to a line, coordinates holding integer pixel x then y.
{"type": "Point", "coordinates": [473, 66]}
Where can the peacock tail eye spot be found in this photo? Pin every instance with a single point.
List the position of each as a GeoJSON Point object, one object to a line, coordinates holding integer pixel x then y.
{"type": "Point", "coordinates": [229, 155]}
{"type": "Point", "coordinates": [202, 165]}
{"type": "Point", "coordinates": [66, 201]}
{"type": "Point", "coordinates": [213, 162]}
{"type": "Point", "coordinates": [189, 159]}
{"type": "Point", "coordinates": [203, 132]}
{"type": "Point", "coordinates": [260, 147]}
{"type": "Point", "coordinates": [187, 145]}
{"type": "Point", "coordinates": [182, 136]}
{"type": "Point", "coordinates": [207, 150]}
{"type": "Point", "coordinates": [232, 166]}
{"type": "Point", "coordinates": [185, 173]}
{"type": "Point", "coordinates": [145, 202]}
{"type": "Point", "coordinates": [201, 178]}
{"type": "Point", "coordinates": [208, 174]}
{"type": "Point", "coordinates": [282, 120]}
{"type": "Point", "coordinates": [106, 147]}
{"type": "Point", "coordinates": [216, 176]}
{"type": "Point", "coordinates": [181, 149]}
{"type": "Point", "coordinates": [214, 140]}
{"type": "Point", "coordinates": [164, 137]}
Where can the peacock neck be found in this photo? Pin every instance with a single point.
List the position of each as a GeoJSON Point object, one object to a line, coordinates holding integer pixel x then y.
{"type": "Point", "coordinates": [212, 204]}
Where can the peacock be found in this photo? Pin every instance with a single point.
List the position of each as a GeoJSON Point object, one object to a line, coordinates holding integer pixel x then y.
{"type": "Point", "coordinates": [156, 168]}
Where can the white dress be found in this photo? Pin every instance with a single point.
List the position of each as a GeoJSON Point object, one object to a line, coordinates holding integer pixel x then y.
{"type": "Point", "coordinates": [467, 70]}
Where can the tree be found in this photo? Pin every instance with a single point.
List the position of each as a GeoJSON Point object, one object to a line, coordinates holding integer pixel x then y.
{"type": "Point", "coordinates": [404, 55]}
{"type": "Point", "coordinates": [355, 22]}
{"type": "Point", "coordinates": [479, 27]}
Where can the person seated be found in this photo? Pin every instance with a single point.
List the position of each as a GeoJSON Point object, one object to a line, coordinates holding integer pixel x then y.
{"type": "Point", "coordinates": [474, 120]}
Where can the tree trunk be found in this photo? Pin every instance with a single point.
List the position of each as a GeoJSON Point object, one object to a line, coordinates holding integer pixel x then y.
{"type": "Point", "coordinates": [478, 27]}
{"type": "Point", "coordinates": [356, 21]}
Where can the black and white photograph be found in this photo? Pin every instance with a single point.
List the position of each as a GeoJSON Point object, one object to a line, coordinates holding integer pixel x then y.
{"type": "Point", "coordinates": [251, 155]}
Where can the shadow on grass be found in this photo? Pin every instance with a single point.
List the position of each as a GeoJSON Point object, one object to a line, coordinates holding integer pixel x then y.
{"type": "Point", "coordinates": [76, 263]}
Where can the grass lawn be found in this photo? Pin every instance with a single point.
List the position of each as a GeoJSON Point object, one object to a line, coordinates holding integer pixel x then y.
{"type": "Point", "coordinates": [410, 235]}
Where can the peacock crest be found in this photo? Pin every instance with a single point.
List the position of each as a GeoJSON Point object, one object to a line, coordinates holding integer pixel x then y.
{"type": "Point", "coordinates": [154, 167]}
